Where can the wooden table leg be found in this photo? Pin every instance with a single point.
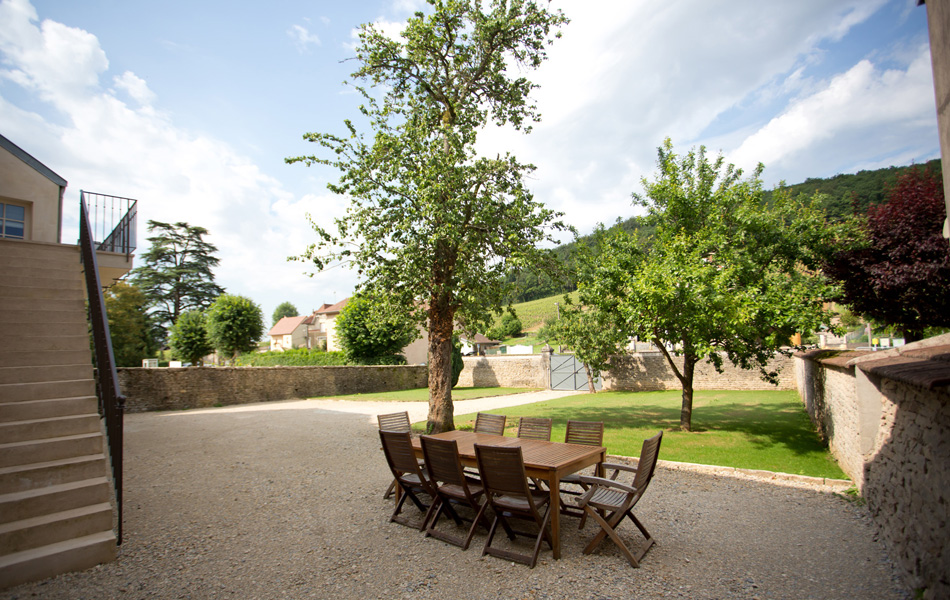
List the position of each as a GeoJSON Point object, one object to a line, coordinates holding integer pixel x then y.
{"type": "Point", "coordinates": [555, 508]}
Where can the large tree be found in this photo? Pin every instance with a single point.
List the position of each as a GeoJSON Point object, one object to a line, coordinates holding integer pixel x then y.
{"type": "Point", "coordinates": [901, 274]}
{"type": "Point", "coordinates": [235, 324]}
{"type": "Point", "coordinates": [176, 275]}
{"type": "Point", "coordinates": [133, 337]}
{"type": "Point", "coordinates": [432, 224]}
{"type": "Point", "coordinates": [722, 273]}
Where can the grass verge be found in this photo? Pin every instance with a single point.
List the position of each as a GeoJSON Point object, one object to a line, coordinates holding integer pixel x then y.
{"type": "Point", "coordinates": [766, 430]}
{"type": "Point", "coordinates": [422, 394]}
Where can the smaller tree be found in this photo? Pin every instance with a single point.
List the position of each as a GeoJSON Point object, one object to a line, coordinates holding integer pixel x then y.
{"type": "Point", "coordinates": [594, 336]}
{"type": "Point", "coordinates": [284, 309]}
{"type": "Point", "coordinates": [457, 363]}
{"type": "Point", "coordinates": [235, 324]}
{"type": "Point", "coordinates": [189, 337]}
{"type": "Point", "coordinates": [132, 333]}
{"type": "Point", "coordinates": [369, 334]}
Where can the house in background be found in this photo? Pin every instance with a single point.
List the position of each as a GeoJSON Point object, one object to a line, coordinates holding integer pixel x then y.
{"type": "Point", "coordinates": [322, 331]}
{"type": "Point", "coordinates": [57, 491]}
{"type": "Point", "coordinates": [289, 333]}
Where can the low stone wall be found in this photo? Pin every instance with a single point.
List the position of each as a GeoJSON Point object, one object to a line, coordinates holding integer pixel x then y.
{"type": "Point", "coordinates": [198, 387]}
{"type": "Point", "coordinates": [887, 420]}
{"type": "Point", "coordinates": [649, 371]}
{"type": "Point", "coordinates": [528, 371]}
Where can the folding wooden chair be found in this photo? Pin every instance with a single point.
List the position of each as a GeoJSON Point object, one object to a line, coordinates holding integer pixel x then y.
{"type": "Point", "coordinates": [452, 487]}
{"type": "Point", "coordinates": [535, 428]}
{"type": "Point", "coordinates": [397, 446]}
{"type": "Point", "coordinates": [616, 500]}
{"type": "Point", "coordinates": [506, 489]}
{"type": "Point", "coordinates": [488, 423]}
{"type": "Point", "coordinates": [587, 433]}
{"type": "Point", "coordinates": [394, 422]}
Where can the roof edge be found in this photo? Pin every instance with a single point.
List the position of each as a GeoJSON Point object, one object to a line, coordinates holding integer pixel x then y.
{"type": "Point", "coordinates": [31, 161]}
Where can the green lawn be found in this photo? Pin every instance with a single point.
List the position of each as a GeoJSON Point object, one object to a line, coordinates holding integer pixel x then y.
{"type": "Point", "coordinates": [754, 430]}
{"type": "Point", "coordinates": [422, 394]}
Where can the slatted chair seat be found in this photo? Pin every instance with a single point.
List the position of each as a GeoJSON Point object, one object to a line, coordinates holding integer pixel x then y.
{"type": "Point", "coordinates": [408, 477]}
{"type": "Point", "coordinates": [507, 490]}
{"type": "Point", "coordinates": [452, 488]}
{"type": "Point", "coordinates": [608, 501]}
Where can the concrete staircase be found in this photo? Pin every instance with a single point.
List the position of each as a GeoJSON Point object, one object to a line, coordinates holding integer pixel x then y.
{"type": "Point", "coordinates": [56, 491]}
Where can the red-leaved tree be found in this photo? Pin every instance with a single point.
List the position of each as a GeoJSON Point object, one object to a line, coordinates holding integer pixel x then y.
{"type": "Point", "coordinates": [901, 276]}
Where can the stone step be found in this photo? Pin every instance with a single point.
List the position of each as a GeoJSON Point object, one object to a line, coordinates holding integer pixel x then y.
{"type": "Point", "coordinates": [47, 373]}
{"type": "Point", "coordinates": [29, 410]}
{"type": "Point", "coordinates": [39, 306]}
{"type": "Point", "coordinates": [39, 250]}
{"type": "Point", "coordinates": [47, 390]}
{"type": "Point", "coordinates": [46, 561]}
{"type": "Point", "coordinates": [35, 358]}
{"type": "Point", "coordinates": [42, 316]}
{"type": "Point", "coordinates": [18, 506]}
{"type": "Point", "coordinates": [40, 298]}
{"type": "Point", "coordinates": [49, 343]}
{"type": "Point", "coordinates": [17, 536]}
{"type": "Point", "coordinates": [44, 429]}
{"type": "Point", "coordinates": [43, 280]}
{"type": "Point", "coordinates": [12, 331]}
{"type": "Point", "coordinates": [34, 451]}
{"type": "Point", "coordinates": [20, 478]}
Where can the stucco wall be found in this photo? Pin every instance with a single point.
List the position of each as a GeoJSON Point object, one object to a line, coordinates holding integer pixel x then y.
{"type": "Point", "coordinates": [198, 387]}
{"type": "Point", "coordinates": [26, 187]}
{"type": "Point", "coordinates": [649, 371]}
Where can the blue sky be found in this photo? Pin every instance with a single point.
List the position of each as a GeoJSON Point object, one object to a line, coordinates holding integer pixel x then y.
{"type": "Point", "coordinates": [191, 107]}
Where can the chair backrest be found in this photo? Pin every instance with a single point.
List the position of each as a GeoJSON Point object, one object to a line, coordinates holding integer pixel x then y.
{"type": "Point", "coordinates": [647, 463]}
{"type": "Point", "coordinates": [488, 423]}
{"type": "Point", "coordinates": [394, 421]}
{"type": "Point", "coordinates": [442, 460]}
{"type": "Point", "coordinates": [502, 471]}
{"type": "Point", "coordinates": [397, 446]}
{"type": "Point", "coordinates": [535, 428]}
{"type": "Point", "coordinates": [587, 433]}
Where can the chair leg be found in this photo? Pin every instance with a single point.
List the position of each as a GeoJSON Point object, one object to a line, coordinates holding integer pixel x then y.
{"type": "Point", "coordinates": [608, 528]}
{"type": "Point", "coordinates": [390, 490]}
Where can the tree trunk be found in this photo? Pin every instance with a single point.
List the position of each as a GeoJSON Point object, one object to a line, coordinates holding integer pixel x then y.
{"type": "Point", "coordinates": [441, 411]}
{"type": "Point", "coordinates": [686, 412]}
{"type": "Point", "coordinates": [590, 380]}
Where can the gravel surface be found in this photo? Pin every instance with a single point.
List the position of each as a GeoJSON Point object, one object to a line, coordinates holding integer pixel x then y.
{"type": "Point", "coordinates": [284, 500]}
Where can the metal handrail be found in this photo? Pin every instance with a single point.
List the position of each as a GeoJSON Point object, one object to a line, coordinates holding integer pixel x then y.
{"type": "Point", "coordinates": [113, 222]}
{"type": "Point", "coordinates": [111, 400]}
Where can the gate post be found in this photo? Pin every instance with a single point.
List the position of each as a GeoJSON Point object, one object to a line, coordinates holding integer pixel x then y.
{"type": "Point", "coordinates": [546, 353]}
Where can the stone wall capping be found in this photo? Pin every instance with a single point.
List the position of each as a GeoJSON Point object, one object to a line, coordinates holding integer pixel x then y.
{"type": "Point", "coordinates": [928, 373]}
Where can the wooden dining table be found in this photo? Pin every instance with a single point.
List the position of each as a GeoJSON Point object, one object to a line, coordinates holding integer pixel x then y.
{"type": "Point", "coordinates": [548, 461]}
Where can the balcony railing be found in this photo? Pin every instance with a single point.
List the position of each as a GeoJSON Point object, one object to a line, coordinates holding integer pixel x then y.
{"type": "Point", "coordinates": [113, 222]}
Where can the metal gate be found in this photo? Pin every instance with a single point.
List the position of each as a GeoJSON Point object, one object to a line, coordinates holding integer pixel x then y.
{"type": "Point", "coordinates": [568, 373]}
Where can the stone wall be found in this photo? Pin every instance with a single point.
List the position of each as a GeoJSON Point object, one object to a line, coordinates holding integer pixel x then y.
{"type": "Point", "coordinates": [197, 387]}
{"type": "Point", "coordinates": [649, 371]}
{"type": "Point", "coordinates": [527, 371]}
{"type": "Point", "coordinates": [886, 416]}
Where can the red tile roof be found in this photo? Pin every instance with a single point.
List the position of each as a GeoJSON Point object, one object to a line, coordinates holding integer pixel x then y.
{"type": "Point", "coordinates": [287, 325]}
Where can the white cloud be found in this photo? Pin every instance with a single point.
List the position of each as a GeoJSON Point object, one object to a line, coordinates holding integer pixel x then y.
{"type": "Point", "coordinates": [302, 38]}
{"type": "Point", "coordinates": [135, 87]}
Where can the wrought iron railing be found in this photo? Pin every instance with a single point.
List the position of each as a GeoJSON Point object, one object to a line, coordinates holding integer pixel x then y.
{"type": "Point", "coordinates": [112, 220]}
{"type": "Point", "coordinates": [111, 400]}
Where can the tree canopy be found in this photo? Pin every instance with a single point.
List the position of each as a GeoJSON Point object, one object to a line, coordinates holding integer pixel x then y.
{"type": "Point", "coordinates": [133, 337]}
{"type": "Point", "coordinates": [176, 275]}
{"type": "Point", "coordinates": [720, 274]}
{"type": "Point", "coordinates": [189, 337]}
{"type": "Point", "coordinates": [284, 309]}
{"type": "Point", "coordinates": [235, 324]}
{"type": "Point", "coordinates": [371, 334]}
{"type": "Point", "coordinates": [431, 223]}
{"type": "Point", "coordinates": [901, 273]}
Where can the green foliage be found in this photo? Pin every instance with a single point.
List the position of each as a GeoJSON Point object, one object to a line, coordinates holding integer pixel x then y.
{"type": "Point", "coordinates": [284, 309]}
{"type": "Point", "coordinates": [235, 324]}
{"type": "Point", "coordinates": [297, 357]}
{"type": "Point", "coordinates": [593, 334]}
{"type": "Point", "coordinates": [900, 275]}
{"type": "Point", "coordinates": [189, 337]}
{"type": "Point", "coordinates": [176, 275]}
{"type": "Point", "coordinates": [457, 363]}
{"type": "Point", "coordinates": [432, 225]}
{"type": "Point", "coordinates": [133, 336]}
{"type": "Point", "coordinates": [721, 273]}
{"type": "Point", "coordinates": [372, 333]}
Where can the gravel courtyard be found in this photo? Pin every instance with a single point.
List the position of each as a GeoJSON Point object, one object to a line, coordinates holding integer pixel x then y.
{"type": "Point", "coordinates": [284, 500]}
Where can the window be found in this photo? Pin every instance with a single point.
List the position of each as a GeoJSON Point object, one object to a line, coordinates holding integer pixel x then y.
{"type": "Point", "coordinates": [12, 221]}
